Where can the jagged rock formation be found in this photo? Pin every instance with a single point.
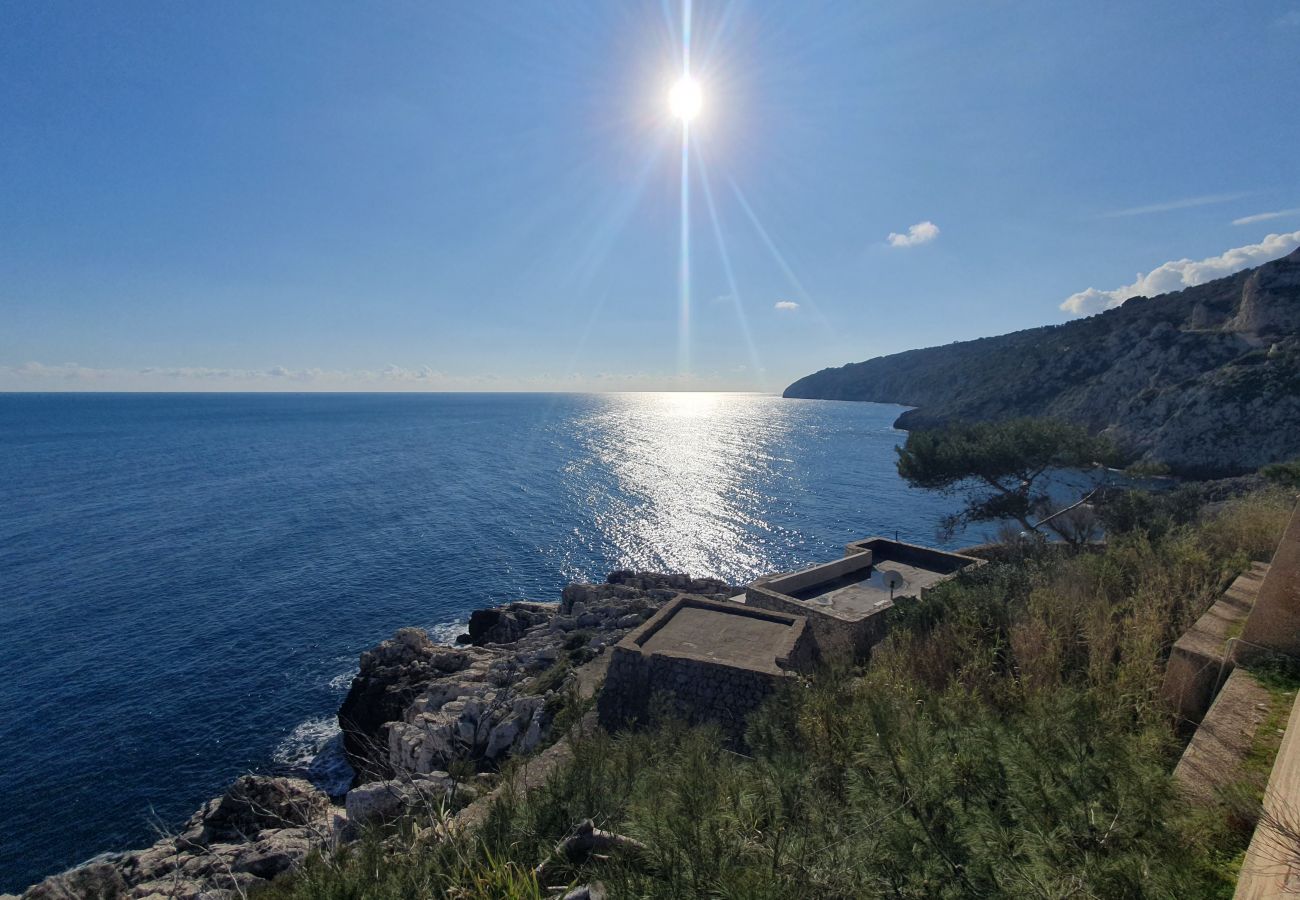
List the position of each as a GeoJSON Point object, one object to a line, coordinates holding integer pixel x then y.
{"type": "Point", "coordinates": [415, 710]}
{"type": "Point", "coordinates": [1205, 380]}
{"type": "Point", "coordinates": [260, 827]}
{"type": "Point", "coordinates": [416, 707]}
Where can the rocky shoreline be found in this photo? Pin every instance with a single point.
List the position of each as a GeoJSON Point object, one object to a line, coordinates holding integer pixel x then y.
{"type": "Point", "coordinates": [425, 726]}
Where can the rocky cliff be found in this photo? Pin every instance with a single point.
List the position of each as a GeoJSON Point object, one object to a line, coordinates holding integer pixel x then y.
{"type": "Point", "coordinates": [1205, 380]}
{"type": "Point", "coordinates": [415, 710]}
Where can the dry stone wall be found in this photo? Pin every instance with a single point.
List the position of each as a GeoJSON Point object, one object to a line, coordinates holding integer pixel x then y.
{"type": "Point", "coordinates": [638, 687]}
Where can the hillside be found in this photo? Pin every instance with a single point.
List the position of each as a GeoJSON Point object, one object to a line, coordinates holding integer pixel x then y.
{"type": "Point", "coordinates": [1206, 380]}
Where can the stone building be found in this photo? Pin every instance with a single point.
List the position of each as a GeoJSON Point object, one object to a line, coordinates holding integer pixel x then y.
{"type": "Point", "coordinates": [703, 661]}
{"type": "Point", "coordinates": [845, 600]}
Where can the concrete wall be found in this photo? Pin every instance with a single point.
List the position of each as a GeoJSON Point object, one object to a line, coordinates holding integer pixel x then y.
{"type": "Point", "coordinates": [1274, 623]}
{"type": "Point", "coordinates": [886, 549]}
{"type": "Point", "coordinates": [1198, 663]}
{"type": "Point", "coordinates": [1272, 864]}
{"type": "Point", "coordinates": [823, 572]}
{"type": "Point", "coordinates": [835, 638]}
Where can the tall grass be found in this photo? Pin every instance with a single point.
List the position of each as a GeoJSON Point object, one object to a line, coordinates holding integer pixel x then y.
{"type": "Point", "coordinates": [1006, 740]}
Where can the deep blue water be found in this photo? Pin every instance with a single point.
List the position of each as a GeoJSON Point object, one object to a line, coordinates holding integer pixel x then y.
{"type": "Point", "coordinates": [186, 580]}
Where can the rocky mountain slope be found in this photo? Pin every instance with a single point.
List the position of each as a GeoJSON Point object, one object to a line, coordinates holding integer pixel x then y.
{"type": "Point", "coordinates": [1205, 380]}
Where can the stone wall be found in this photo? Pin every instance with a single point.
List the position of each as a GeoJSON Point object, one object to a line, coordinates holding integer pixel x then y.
{"type": "Point", "coordinates": [637, 688]}
{"type": "Point", "coordinates": [642, 684]}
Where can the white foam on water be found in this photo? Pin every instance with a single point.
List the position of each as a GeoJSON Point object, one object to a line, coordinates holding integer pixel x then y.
{"type": "Point", "coordinates": [344, 681]}
{"type": "Point", "coordinates": [447, 632]}
{"type": "Point", "coordinates": [314, 750]}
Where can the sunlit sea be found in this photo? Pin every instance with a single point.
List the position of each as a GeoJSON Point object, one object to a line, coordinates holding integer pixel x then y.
{"type": "Point", "coordinates": [186, 581]}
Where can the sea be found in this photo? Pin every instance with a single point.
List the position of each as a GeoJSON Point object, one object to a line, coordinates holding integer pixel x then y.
{"type": "Point", "coordinates": [187, 580]}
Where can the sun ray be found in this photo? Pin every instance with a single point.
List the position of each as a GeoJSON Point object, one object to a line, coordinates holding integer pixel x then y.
{"type": "Point", "coordinates": [725, 257]}
{"type": "Point", "coordinates": [684, 249]}
{"type": "Point", "coordinates": [804, 297]}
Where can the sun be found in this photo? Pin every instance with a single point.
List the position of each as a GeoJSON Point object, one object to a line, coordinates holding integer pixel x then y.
{"type": "Point", "coordinates": [685, 98]}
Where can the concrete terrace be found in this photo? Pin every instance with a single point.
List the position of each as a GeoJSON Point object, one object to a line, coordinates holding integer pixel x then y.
{"type": "Point", "coordinates": [723, 636]}
{"type": "Point", "coordinates": [844, 599]}
{"type": "Point", "coordinates": [868, 590]}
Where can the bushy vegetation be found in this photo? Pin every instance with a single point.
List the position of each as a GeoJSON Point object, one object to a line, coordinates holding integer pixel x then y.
{"type": "Point", "coordinates": [1006, 740]}
{"type": "Point", "coordinates": [1001, 469]}
{"type": "Point", "coordinates": [1286, 474]}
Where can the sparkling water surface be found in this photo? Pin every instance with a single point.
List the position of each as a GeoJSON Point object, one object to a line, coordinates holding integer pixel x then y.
{"type": "Point", "coordinates": [186, 581]}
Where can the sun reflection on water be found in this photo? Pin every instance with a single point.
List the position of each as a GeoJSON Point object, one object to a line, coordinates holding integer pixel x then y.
{"type": "Point", "coordinates": [689, 484]}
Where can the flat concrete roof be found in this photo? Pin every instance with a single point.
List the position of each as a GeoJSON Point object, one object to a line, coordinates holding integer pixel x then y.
{"type": "Point", "coordinates": [868, 590]}
{"type": "Point", "coordinates": [732, 638]}
{"type": "Point", "coordinates": [867, 579]}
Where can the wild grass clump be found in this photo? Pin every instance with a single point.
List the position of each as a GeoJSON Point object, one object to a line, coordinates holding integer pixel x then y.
{"type": "Point", "coordinates": [1006, 740]}
{"type": "Point", "coordinates": [1248, 528]}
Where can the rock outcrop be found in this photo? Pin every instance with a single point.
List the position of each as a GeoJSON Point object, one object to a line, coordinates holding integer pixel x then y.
{"type": "Point", "coordinates": [260, 827]}
{"type": "Point", "coordinates": [415, 710]}
{"type": "Point", "coordinates": [504, 624]}
{"type": "Point", "coordinates": [1205, 380]}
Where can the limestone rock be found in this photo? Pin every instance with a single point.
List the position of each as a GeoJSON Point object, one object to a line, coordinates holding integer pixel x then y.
{"type": "Point", "coordinates": [391, 677]}
{"type": "Point", "coordinates": [252, 804]}
{"type": "Point", "coordinates": [506, 624]}
{"type": "Point", "coordinates": [93, 881]}
{"type": "Point", "coordinates": [415, 708]}
{"type": "Point", "coordinates": [387, 801]}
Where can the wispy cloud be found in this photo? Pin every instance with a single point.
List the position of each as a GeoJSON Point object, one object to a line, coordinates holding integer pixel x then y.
{"type": "Point", "coordinates": [787, 305]}
{"type": "Point", "coordinates": [920, 233]}
{"type": "Point", "coordinates": [201, 376]}
{"type": "Point", "coordinates": [1183, 273]}
{"type": "Point", "coordinates": [1170, 206]}
{"type": "Point", "coordinates": [1290, 19]}
{"type": "Point", "coordinates": [1264, 217]}
{"type": "Point", "coordinates": [74, 377]}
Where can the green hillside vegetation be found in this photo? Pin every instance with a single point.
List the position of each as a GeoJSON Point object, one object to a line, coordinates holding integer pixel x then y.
{"type": "Point", "coordinates": [1177, 379]}
{"type": "Point", "coordinates": [1006, 740]}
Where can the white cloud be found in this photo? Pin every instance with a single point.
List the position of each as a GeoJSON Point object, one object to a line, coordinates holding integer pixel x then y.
{"type": "Point", "coordinates": [1290, 19]}
{"type": "Point", "coordinates": [64, 371]}
{"type": "Point", "coordinates": [156, 376]}
{"type": "Point", "coordinates": [1264, 217]}
{"type": "Point", "coordinates": [1185, 203]}
{"type": "Point", "coordinates": [71, 376]}
{"type": "Point", "coordinates": [1183, 273]}
{"type": "Point", "coordinates": [789, 305]}
{"type": "Point", "coordinates": [920, 233]}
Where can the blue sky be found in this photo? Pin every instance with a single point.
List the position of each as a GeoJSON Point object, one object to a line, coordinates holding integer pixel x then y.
{"type": "Point", "coordinates": [295, 196]}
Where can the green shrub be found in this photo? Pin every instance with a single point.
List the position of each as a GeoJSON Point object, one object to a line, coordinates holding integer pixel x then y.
{"type": "Point", "coordinates": [1284, 474]}
{"type": "Point", "coordinates": [1006, 740]}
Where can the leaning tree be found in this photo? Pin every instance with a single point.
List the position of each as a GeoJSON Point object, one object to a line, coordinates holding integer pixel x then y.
{"type": "Point", "coordinates": [1003, 467]}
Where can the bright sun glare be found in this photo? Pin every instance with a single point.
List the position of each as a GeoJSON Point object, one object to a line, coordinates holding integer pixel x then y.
{"type": "Point", "coordinates": [685, 98]}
